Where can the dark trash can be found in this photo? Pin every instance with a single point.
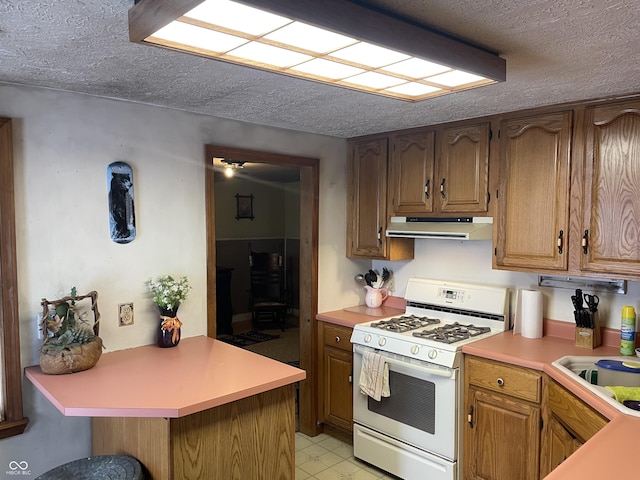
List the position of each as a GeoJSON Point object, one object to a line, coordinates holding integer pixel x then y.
{"type": "Point", "coordinates": [100, 467]}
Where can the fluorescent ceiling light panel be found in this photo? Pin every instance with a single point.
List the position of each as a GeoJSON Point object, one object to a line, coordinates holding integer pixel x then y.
{"type": "Point", "coordinates": [369, 55]}
{"type": "Point", "coordinates": [327, 69]}
{"type": "Point", "coordinates": [374, 80]}
{"type": "Point", "coordinates": [198, 37]}
{"type": "Point", "coordinates": [455, 78]}
{"type": "Point", "coordinates": [238, 17]}
{"type": "Point", "coordinates": [270, 55]}
{"type": "Point", "coordinates": [307, 37]}
{"type": "Point", "coordinates": [337, 42]}
{"type": "Point", "coordinates": [413, 89]}
{"type": "Point", "coordinates": [416, 68]}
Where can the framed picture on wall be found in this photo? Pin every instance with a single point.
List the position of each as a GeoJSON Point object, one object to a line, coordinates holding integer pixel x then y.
{"type": "Point", "coordinates": [244, 206]}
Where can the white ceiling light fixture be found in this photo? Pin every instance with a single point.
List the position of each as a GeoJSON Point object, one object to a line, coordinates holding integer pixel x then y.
{"type": "Point", "coordinates": [231, 166]}
{"type": "Point", "coordinates": [333, 41]}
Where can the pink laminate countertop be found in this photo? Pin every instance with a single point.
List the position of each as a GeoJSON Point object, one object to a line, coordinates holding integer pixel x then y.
{"type": "Point", "coordinates": [349, 317]}
{"type": "Point", "coordinates": [200, 373]}
{"type": "Point", "coordinates": [608, 454]}
{"type": "Point", "coordinates": [611, 453]}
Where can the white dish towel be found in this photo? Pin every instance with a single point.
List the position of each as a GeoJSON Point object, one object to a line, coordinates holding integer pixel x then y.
{"type": "Point", "coordinates": [374, 377]}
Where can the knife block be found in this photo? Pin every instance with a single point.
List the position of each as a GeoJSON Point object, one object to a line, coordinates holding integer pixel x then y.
{"type": "Point", "coordinates": [589, 337]}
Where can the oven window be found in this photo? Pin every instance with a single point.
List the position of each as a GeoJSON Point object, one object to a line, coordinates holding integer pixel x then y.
{"type": "Point", "coordinates": [412, 402]}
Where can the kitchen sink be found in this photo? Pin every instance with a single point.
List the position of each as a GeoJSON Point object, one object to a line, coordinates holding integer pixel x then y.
{"type": "Point", "coordinates": [571, 366]}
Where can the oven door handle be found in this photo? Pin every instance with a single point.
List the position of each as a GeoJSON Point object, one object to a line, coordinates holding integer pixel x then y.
{"type": "Point", "coordinates": [426, 370]}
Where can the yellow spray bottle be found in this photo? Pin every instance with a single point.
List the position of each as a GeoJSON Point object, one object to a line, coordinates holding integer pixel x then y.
{"type": "Point", "coordinates": [628, 331]}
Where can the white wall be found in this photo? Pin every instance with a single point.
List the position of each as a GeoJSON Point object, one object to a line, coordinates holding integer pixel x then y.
{"type": "Point", "coordinates": [63, 143]}
{"type": "Point", "coordinates": [471, 262]}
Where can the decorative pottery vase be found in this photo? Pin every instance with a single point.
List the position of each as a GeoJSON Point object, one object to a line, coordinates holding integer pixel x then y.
{"type": "Point", "coordinates": [169, 328]}
{"type": "Point", "coordinates": [375, 296]}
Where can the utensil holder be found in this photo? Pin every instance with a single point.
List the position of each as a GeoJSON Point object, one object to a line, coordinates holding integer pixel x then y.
{"type": "Point", "coordinates": [589, 337]}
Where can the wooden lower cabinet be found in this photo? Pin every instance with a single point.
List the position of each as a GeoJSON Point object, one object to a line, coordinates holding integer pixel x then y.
{"type": "Point", "coordinates": [504, 439]}
{"type": "Point", "coordinates": [557, 445]}
{"type": "Point", "coordinates": [336, 372]}
{"type": "Point", "coordinates": [250, 438]}
{"type": "Point", "coordinates": [521, 424]}
{"type": "Point", "coordinates": [568, 423]}
{"type": "Point", "coordinates": [502, 434]}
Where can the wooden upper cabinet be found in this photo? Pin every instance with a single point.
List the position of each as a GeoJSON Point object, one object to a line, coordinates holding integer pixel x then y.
{"type": "Point", "coordinates": [447, 179]}
{"type": "Point", "coordinates": [367, 174]}
{"type": "Point", "coordinates": [611, 214]}
{"type": "Point", "coordinates": [411, 180]}
{"type": "Point", "coordinates": [463, 169]}
{"type": "Point", "coordinates": [367, 204]}
{"type": "Point", "coordinates": [534, 192]}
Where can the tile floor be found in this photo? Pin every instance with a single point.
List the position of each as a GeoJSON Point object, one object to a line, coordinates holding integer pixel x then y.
{"type": "Point", "coordinates": [325, 458]}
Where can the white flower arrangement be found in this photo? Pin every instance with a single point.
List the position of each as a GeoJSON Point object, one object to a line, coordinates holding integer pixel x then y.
{"type": "Point", "coordinates": [167, 292]}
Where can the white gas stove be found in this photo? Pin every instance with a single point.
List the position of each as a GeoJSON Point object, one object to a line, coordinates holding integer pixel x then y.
{"type": "Point", "coordinates": [416, 431]}
{"type": "Point", "coordinates": [440, 318]}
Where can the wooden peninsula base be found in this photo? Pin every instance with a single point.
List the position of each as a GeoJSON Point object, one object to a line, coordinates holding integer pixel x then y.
{"type": "Point", "coordinates": [252, 438]}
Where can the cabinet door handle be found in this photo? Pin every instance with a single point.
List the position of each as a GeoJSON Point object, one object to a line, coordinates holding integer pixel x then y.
{"type": "Point", "coordinates": [585, 242]}
{"type": "Point", "coordinates": [560, 241]}
{"type": "Point", "coordinates": [350, 379]}
{"type": "Point", "coordinates": [380, 235]}
{"type": "Point", "coordinates": [426, 189]}
{"type": "Point", "coordinates": [337, 339]}
{"type": "Point", "coordinates": [442, 192]}
{"type": "Point", "coordinates": [500, 382]}
{"type": "Point", "coordinates": [470, 416]}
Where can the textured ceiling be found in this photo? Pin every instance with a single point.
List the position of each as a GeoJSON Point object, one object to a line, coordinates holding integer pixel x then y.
{"type": "Point", "coordinates": [556, 51]}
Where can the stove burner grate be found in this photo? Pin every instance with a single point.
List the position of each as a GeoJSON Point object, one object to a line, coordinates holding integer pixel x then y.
{"type": "Point", "coordinates": [404, 323]}
{"type": "Point", "coordinates": [452, 333]}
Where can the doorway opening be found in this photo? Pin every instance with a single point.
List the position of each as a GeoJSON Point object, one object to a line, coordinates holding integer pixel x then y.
{"type": "Point", "coordinates": [307, 245]}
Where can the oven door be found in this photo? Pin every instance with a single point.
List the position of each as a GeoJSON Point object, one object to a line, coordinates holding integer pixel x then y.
{"type": "Point", "coordinates": [422, 409]}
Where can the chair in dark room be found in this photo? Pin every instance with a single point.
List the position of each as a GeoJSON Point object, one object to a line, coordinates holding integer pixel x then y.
{"type": "Point", "coordinates": [267, 293]}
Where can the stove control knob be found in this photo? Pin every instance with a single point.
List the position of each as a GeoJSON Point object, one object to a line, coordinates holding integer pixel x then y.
{"type": "Point", "coordinates": [433, 354]}
{"type": "Point", "coordinates": [415, 349]}
{"type": "Point", "coordinates": [382, 341]}
{"type": "Point", "coordinates": [367, 338]}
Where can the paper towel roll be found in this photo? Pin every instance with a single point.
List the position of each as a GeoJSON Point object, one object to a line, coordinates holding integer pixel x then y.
{"type": "Point", "coordinates": [528, 315]}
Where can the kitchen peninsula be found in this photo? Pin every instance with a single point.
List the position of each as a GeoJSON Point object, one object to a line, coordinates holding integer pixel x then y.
{"type": "Point", "coordinates": [204, 409]}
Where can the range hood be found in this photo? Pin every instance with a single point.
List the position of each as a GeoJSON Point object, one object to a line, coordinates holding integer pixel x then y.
{"type": "Point", "coordinates": [454, 228]}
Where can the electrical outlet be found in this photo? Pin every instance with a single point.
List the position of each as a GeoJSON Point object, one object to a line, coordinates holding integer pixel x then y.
{"type": "Point", "coordinates": [125, 314]}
